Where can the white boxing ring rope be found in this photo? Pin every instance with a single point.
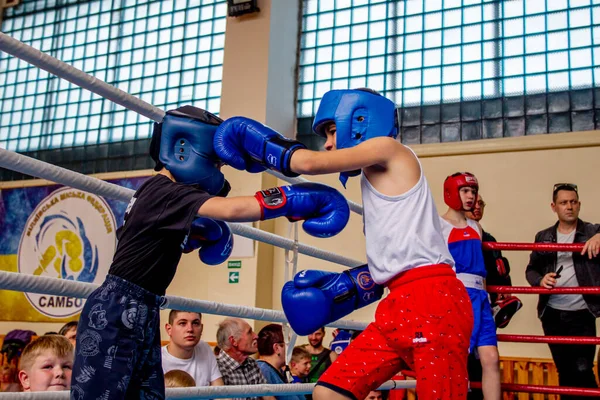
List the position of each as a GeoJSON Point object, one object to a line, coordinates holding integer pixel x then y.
{"type": "Point", "coordinates": [46, 285]}
{"type": "Point", "coordinates": [60, 287]}
{"type": "Point", "coordinates": [40, 169]}
{"type": "Point", "coordinates": [215, 392]}
{"type": "Point", "coordinates": [68, 72]}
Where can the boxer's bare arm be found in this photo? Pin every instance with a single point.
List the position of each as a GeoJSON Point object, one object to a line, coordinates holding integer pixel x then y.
{"type": "Point", "coordinates": [379, 151]}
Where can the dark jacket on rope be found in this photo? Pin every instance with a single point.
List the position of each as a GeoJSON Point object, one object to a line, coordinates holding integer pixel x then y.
{"type": "Point", "coordinates": [587, 271]}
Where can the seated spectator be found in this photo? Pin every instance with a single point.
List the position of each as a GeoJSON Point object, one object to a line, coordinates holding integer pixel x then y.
{"type": "Point", "coordinates": [376, 395]}
{"type": "Point", "coordinates": [238, 342]}
{"type": "Point", "coordinates": [321, 356]}
{"type": "Point", "coordinates": [178, 378]}
{"type": "Point", "coordinates": [69, 330]}
{"type": "Point", "coordinates": [186, 352]}
{"type": "Point", "coordinates": [14, 343]}
{"type": "Point", "coordinates": [9, 382]}
{"type": "Point", "coordinates": [46, 364]}
{"type": "Point", "coordinates": [271, 350]}
{"type": "Point", "coordinates": [300, 364]}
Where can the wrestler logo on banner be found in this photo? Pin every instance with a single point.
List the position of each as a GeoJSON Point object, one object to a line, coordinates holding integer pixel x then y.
{"type": "Point", "coordinates": [70, 235]}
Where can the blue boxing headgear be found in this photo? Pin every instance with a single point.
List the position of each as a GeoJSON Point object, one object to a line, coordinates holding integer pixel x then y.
{"type": "Point", "coordinates": [183, 144]}
{"type": "Point", "coordinates": [359, 115]}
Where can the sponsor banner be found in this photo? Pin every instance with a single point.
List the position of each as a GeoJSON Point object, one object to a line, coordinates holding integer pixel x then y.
{"type": "Point", "coordinates": [59, 232]}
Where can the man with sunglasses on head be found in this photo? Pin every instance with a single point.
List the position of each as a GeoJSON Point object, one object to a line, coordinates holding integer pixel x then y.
{"type": "Point", "coordinates": [568, 315]}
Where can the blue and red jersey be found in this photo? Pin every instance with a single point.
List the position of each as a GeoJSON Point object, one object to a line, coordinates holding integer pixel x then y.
{"type": "Point", "coordinates": [465, 246]}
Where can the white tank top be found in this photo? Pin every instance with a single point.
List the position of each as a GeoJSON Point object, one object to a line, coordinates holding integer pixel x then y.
{"type": "Point", "coordinates": [402, 232]}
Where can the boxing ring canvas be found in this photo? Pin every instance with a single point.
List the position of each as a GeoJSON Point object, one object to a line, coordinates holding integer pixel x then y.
{"type": "Point", "coordinates": [59, 232]}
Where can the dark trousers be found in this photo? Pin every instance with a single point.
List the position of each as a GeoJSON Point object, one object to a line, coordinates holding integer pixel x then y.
{"type": "Point", "coordinates": [117, 355]}
{"type": "Point", "coordinates": [475, 375]}
{"type": "Point", "coordinates": [574, 362]}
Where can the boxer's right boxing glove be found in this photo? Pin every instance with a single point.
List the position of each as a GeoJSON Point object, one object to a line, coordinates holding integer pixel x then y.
{"type": "Point", "coordinates": [213, 239]}
{"type": "Point", "coordinates": [324, 210]}
{"type": "Point", "coordinates": [248, 145]}
{"type": "Point", "coordinates": [316, 298]}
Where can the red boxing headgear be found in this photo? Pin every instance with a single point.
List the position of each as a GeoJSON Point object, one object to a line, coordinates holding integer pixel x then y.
{"type": "Point", "coordinates": [452, 186]}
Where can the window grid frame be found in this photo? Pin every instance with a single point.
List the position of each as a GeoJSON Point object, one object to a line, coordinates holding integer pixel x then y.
{"type": "Point", "coordinates": [572, 34]}
{"type": "Point", "coordinates": [500, 39]}
{"type": "Point", "coordinates": [85, 33]}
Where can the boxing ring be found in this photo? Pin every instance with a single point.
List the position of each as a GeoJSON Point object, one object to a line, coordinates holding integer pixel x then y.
{"type": "Point", "coordinates": [53, 286]}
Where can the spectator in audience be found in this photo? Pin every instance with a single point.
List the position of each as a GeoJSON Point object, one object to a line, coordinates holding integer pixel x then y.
{"type": "Point", "coordinates": [9, 381]}
{"type": "Point", "coordinates": [300, 364]}
{"type": "Point", "coordinates": [271, 350]}
{"type": "Point", "coordinates": [178, 378]}
{"type": "Point", "coordinates": [238, 342]}
{"type": "Point", "coordinates": [46, 364]}
{"type": "Point", "coordinates": [376, 395]}
{"type": "Point", "coordinates": [14, 342]}
{"type": "Point", "coordinates": [186, 352]}
{"type": "Point", "coordinates": [69, 330]}
{"type": "Point", "coordinates": [568, 315]}
{"type": "Point", "coordinates": [321, 356]}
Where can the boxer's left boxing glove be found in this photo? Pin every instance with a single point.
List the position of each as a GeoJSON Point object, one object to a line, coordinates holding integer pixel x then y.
{"type": "Point", "coordinates": [316, 298]}
{"type": "Point", "coordinates": [213, 239]}
{"type": "Point", "coordinates": [504, 308]}
{"type": "Point", "coordinates": [324, 210]}
{"type": "Point", "coordinates": [248, 145]}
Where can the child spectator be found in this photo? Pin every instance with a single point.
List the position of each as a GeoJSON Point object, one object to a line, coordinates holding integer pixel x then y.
{"type": "Point", "coordinates": [179, 378]}
{"type": "Point", "coordinates": [300, 364]}
{"type": "Point", "coordinates": [69, 330]}
{"type": "Point", "coordinates": [46, 364]}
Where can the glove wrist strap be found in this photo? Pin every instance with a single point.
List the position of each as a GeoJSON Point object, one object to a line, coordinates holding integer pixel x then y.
{"type": "Point", "coordinates": [365, 288]}
{"type": "Point", "coordinates": [272, 202]}
{"type": "Point", "coordinates": [278, 153]}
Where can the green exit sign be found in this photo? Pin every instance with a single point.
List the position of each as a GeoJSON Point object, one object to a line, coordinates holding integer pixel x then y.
{"type": "Point", "coordinates": [234, 264]}
{"type": "Point", "coordinates": [234, 277]}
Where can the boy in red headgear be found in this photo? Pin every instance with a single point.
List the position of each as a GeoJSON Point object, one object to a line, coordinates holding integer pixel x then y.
{"type": "Point", "coordinates": [463, 236]}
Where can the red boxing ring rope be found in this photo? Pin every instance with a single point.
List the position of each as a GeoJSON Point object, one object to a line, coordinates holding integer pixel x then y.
{"type": "Point", "coordinates": [540, 290]}
{"type": "Point", "coordinates": [563, 390]}
{"type": "Point", "coordinates": [549, 339]}
{"type": "Point", "coordinates": [512, 387]}
{"type": "Point", "coordinates": [574, 247]}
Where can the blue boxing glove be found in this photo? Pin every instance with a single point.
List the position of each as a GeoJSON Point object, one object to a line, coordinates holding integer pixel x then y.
{"type": "Point", "coordinates": [341, 341]}
{"type": "Point", "coordinates": [248, 145]}
{"type": "Point", "coordinates": [213, 239]}
{"type": "Point", "coordinates": [316, 298]}
{"type": "Point", "coordinates": [324, 209]}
